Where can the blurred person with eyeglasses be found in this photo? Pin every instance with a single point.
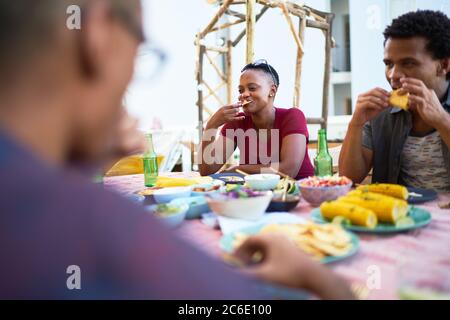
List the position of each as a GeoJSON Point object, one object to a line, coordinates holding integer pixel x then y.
{"type": "Point", "coordinates": [60, 101]}
{"type": "Point", "coordinates": [266, 136]}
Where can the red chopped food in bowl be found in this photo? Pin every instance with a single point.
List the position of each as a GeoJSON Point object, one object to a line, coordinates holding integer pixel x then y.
{"type": "Point", "coordinates": [325, 181]}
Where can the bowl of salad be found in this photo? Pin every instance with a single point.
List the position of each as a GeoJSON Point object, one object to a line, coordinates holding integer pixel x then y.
{"type": "Point", "coordinates": [172, 215]}
{"type": "Point", "coordinates": [239, 202]}
{"type": "Point", "coordinates": [316, 190]}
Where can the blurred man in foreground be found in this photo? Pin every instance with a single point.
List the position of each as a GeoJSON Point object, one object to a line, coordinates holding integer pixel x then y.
{"type": "Point", "coordinates": [60, 101]}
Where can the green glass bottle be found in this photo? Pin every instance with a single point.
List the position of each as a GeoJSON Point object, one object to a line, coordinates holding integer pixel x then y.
{"type": "Point", "coordinates": [323, 163]}
{"type": "Point", "coordinates": [150, 163]}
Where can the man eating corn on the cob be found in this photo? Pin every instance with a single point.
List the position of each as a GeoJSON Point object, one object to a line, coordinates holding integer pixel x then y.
{"type": "Point", "coordinates": [404, 135]}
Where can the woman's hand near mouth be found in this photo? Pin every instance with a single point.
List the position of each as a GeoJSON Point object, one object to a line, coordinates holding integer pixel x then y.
{"type": "Point", "coordinates": [225, 114]}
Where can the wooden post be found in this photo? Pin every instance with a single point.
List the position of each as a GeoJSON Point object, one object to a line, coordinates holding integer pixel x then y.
{"type": "Point", "coordinates": [229, 72]}
{"type": "Point", "coordinates": [327, 71]}
{"type": "Point", "coordinates": [251, 21]}
{"type": "Point", "coordinates": [244, 32]}
{"type": "Point", "coordinates": [298, 67]}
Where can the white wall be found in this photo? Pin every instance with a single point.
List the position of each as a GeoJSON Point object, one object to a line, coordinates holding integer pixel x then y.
{"type": "Point", "coordinates": [368, 18]}
{"type": "Point", "coordinates": [341, 94]}
{"type": "Point", "coordinates": [339, 56]}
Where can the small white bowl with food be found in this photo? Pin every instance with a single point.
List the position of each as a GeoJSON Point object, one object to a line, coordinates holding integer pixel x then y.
{"type": "Point", "coordinates": [262, 182]}
{"type": "Point", "coordinates": [171, 214]}
{"type": "Point", "coordinates": [240, 203]}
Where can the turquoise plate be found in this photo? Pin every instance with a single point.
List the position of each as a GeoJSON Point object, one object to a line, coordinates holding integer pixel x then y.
{"type": "Point", "coordinates": [226, 242]}
{"type": "Point", "coordinates": [420, 216]}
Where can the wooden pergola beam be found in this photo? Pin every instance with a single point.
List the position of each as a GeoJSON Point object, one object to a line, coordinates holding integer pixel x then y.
{"type": "Point", "coordinates": [320, 121]}
{"type": "Point", "coordinates": [226, 25]}
{"type": "Point", "coordinates": [251, 21]}
{"type": "Point", "coordinates": [317, 15]}
{"type": "Point", "coordinates": [244, 32]}
{"type": "Point", "coordinates": [216, 18]}
{"type": "Point", "coordinates": [271, 4]}
{"type": "Point", "coordinates": [214, 94]}
{"type": "Point", "coordinates": [317, 25]}
{"type": "Point", "coordinates": [210, 48]}
{"type": "Point", "coordinates": [291, 27]}
{"type": "Point", "coordinates": [322, 15]}
{"type": "Point", "coordinates": [298, 66]}
{"type": "Point", "coordinates": [235, 14]}
{"type": "Point", "coordinates": [239, 2]}
{"type": "Point", "coordinates": [327, 70]}
{"type": "Point", "coordinates": [215, 90]}
{"type": "Point", "coordinates": [215, 67]}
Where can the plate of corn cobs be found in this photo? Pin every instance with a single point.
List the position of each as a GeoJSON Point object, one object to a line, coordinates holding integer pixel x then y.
{"type": "Point", "coordinates": [377, 208]}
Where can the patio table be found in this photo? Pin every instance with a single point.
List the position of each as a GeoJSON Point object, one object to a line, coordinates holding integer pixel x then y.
{"type": "Point", "coordinates": [382, 255]}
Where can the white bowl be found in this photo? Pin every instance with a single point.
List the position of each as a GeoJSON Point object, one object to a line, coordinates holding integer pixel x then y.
{"type": "Point", "coordinates": [168, 194]}
{"type": "Point", "coordinates": [262, 182]}
{"type": "Point", "coordinates": [244, 208]}
{"type": "Point", "coordinates": [172, 220]}
{"type": "Point", "coordinates": [197, 206]}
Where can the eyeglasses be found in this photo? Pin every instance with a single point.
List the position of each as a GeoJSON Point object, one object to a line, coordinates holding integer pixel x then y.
{"type": "Point", "coordinates": [268, 67]}
{"type": "Point", "coordinates": [150, 61]}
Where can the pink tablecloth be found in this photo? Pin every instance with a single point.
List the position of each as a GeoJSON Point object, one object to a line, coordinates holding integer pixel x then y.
{"type": "Point", "coordinates": [378, 254]}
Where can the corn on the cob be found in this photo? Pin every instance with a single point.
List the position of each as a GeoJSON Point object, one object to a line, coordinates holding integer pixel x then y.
{"type": "Point", "coordinates": [388, 209]}
{"type": "Point", "coordinates": [165, 182]}
{"type": "Point", "coordinates": [356, 214]}
{"type": "Point", "coordinates": [393, 190]}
